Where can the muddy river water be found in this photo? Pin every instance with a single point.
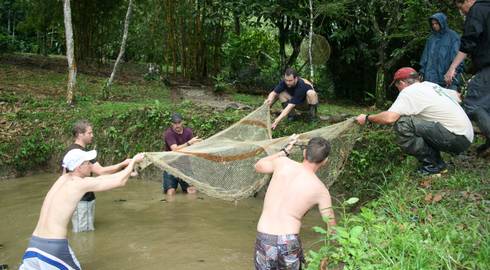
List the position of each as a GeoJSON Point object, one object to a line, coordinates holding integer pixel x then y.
{"type": "Point", "coordinates": [137, 228]}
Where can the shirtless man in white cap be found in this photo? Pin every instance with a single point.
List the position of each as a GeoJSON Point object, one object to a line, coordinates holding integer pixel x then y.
{"type": "Point", "coordinates": [48, 248]}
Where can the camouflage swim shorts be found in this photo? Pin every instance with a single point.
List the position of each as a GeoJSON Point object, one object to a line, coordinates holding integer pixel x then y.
{"type": "Point", "coordinates": [278, 252]}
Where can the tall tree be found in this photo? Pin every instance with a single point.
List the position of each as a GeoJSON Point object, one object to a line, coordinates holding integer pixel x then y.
{"type": "Point", "coordinates": [310, 41]}
{"type": "Point", "coordinates": [374, 38]}
{"type": "Point", "coordinates": [106, 89]}
{"type": "Point", "coordinates": [290, 18]}
{"type": "Point", "coordinates": [70, 55]}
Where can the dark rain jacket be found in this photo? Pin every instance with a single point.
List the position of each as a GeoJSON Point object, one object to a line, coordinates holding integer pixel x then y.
{"type": "Point", "coordinates": [476, 35]}
{"type": "Point", "coordinates": [439, 52]}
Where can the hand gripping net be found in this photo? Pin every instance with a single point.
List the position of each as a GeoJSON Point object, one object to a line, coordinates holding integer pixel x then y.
{"type": "Point", "coordinates": [222, 166]}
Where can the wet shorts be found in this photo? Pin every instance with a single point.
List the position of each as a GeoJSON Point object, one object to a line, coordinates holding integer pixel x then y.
{"type": "Point", "coordinates": [170, 181]}
{"type": "Point", "coordinates": [278, 251]}
{"type": "Point", "coordinates": [49, 254]}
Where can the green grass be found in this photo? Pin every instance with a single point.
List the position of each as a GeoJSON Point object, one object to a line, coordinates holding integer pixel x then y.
{"type": "Point", "coordinates": [396, 225]}
{"type": "Point", "coordinates": [410, 227]}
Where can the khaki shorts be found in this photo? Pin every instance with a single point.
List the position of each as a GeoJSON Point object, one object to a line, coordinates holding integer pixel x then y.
{"type": "Point", "coordinates": [304, 106]}
{"type": "Point", "coordinates": [84, 216]}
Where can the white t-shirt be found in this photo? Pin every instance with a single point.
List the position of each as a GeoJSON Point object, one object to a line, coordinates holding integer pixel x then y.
{"type": "Point", "coordinates": [431, 102]}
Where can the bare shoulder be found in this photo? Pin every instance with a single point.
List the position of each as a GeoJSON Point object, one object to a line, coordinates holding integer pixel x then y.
{"type": "Point", "coordinates": [284, 162]}
{"type": "Point", "coordinates": [318, 186]}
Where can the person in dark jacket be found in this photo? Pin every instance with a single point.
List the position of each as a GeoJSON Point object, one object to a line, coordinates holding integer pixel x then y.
{"type": "Point", "coordinates": [440, 50]}
{"type": "Point", "coordinates": [476, 42]}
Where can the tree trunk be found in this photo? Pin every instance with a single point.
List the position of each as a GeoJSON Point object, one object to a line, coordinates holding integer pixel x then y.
{"type": "Point", "coordinates": [70, 55]}
{"type": "Point", "coordinates": [282, 44]}
{"type": "Point", "coordinates": [13, 28]}
{"type": "Point", "coordinates": [294, 26]}
{"type": "Point", "coordinates": [8, 22]}
{"type": "Point", "coordinates": [310, 57]}
{"type": "Point", "coordinates": [171, 34]}
{"type": "Point", "coordinates": [106, 90]}
{"type": "Point", "coordinates": [236, 20]}
{"type": "Point", "coordinates": [380, 93]}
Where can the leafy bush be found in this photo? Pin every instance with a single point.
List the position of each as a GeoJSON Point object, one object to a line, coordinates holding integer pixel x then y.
{"type": "Point", "coordinates": [6, 43]}
{"type": "Point", "coordinates": [374, 158]}
{"type": "Point", "coordinates": [408, 227]}
{"type": "Point", "coordinates": [220, 85]}
{"type": "Point", "coordinates": [34, 151]}
{"type": "Point", "coordinates": [251, 57]}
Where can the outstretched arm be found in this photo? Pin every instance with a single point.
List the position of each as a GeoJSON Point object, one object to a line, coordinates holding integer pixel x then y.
{"type": "Point", "coordinates": [271, 98]}
{"type": "Point", "coordinates": [175, 147]}
{"type": "Point", "coordinates": [101, 170]}
{"type": "Point", "coordinates": [382, 118]}
{"type": "Point", "coordinates": [267, 164]}
{"type": "Point", "coordinates": [110, 181]}
{"type": "Point", "coordinates": [283, 114]}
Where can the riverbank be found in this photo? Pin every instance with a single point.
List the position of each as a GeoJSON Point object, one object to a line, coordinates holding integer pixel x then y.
{"type": "Point", "coordinates": [401, 222]}
{"type": "Point", "coordinates": [36, 123]}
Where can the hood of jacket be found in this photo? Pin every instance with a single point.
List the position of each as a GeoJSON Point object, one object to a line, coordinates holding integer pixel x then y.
{"type": "Point", "coordinates": [442, 19]}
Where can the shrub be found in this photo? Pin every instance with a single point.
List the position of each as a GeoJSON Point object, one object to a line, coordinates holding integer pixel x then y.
{"type": "Point", "coordinates": [34, 151]}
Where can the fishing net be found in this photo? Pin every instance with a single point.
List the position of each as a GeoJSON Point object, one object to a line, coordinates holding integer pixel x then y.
{"type": "Point", "coordinates": [222, 166]}
{"type": "Point", "coordinates": [320, 49]}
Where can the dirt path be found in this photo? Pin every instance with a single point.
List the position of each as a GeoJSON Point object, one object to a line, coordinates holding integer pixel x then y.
{"type": "Point", "coordinates": [203, 95]}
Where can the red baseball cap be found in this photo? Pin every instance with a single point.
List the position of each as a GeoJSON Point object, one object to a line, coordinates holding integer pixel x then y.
{"type": "Point", "coordinates": [404, 73]}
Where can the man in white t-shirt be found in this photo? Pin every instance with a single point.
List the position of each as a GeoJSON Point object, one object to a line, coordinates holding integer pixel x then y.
{"type": "Point", "coordinates": [427, 119]}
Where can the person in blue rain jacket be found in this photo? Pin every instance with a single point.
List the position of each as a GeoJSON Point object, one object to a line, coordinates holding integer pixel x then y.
{"type": "Point", "coordinates": [439, 52]}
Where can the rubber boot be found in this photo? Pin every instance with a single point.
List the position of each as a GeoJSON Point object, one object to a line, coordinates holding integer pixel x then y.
{"type": "Point", "coordinates": [432, 164]}
{"type": "Point", "coordinates": [484, 149]}
{"type": "Point", "coordinates": [313, 111]}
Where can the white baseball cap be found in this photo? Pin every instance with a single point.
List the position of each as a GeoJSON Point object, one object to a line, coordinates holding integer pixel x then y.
{"type": "Point", "coordinates": [76, 157]}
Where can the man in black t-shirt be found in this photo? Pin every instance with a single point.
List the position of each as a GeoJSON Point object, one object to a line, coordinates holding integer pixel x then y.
{"type": "Point", "coordinates": [83, 217]}
{"type": "Point", "coordinates": [293, 92]}
{"type": "Point", "coordinates": [475, 42]}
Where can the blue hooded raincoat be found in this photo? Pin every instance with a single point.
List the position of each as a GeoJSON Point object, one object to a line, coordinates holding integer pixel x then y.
{"type": "Point", "coordinates": [439, 52]}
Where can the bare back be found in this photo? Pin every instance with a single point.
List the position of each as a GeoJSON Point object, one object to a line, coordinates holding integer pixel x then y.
{"type": "Point", "coordinates": [292, 191]}
{"type": "Point", "coordinates": [58, 207]}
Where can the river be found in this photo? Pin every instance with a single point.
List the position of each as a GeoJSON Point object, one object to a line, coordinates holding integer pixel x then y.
{"type": "Point", "coordinates": [137, 228]}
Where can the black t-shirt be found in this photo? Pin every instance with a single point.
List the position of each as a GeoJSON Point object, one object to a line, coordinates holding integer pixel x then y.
{"type": "Point", "coordinates": [89, 196]}
{"type": "Point", "coordinates": [476, 34]}
{"type": "Point", "coordinates": [298, 92]}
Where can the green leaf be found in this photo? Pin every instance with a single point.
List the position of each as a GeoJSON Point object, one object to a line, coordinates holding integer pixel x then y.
{"type": "Point", "coordinates": [319, 230]}
{"type": "Point", "coordinates": [356, 231]}
{"type": "Point", "coordinates": [352, 200]}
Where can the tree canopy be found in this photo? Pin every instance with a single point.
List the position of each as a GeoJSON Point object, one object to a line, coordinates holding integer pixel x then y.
{"type": "Point", "coordinates": [246, 42]}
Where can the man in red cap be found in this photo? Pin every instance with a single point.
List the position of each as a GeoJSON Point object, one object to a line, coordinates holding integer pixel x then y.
{"type": "Point", "coordinates": [427, 119]}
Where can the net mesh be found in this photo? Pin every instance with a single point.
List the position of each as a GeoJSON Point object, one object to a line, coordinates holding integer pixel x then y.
{"type": "Point", "coordinates": [320, 49]}
{"type": "Point", "coordinates": [222, 166]}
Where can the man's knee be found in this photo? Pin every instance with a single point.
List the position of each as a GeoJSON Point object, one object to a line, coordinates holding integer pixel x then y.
{"type": "Point", "coordinates": [284, 96]}
{"type": "Point", "coordinates": [404, 126]}
{"type": "Point", "coordinates": [312, 97]}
